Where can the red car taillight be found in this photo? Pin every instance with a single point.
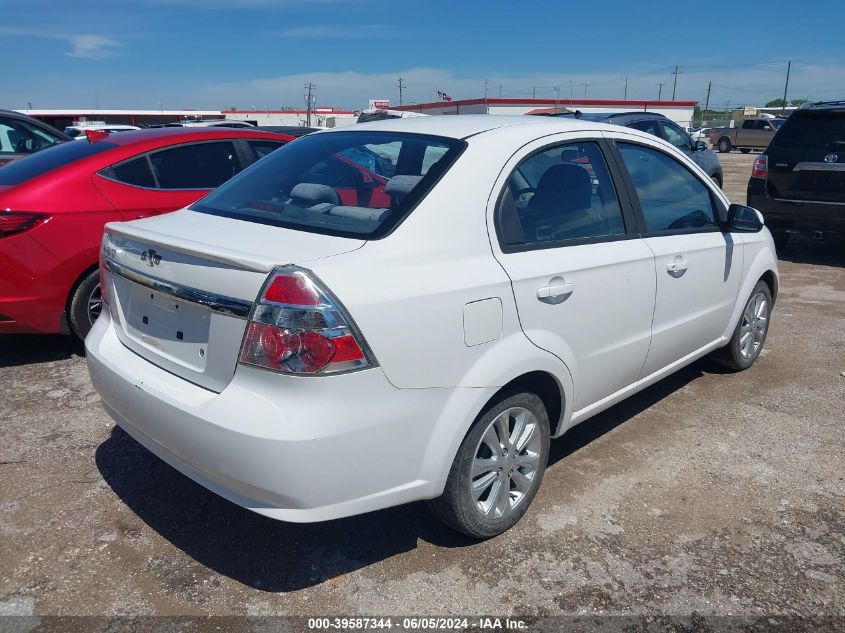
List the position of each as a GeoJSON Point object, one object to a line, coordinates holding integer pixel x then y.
{"type": "Point", "coordinates": [761, 167]}
{"type": "Point", "coordinates": [12, 222]}
{"type": "Point", "coordinates": [297, 327]}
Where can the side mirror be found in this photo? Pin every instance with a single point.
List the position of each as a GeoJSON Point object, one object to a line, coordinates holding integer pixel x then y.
{"type": "Point", "coordinates": [700, 146]}
{"type": "Point", "coordinates": [742, 219]}
{"type": "Point", "coordinates": [767, 128]}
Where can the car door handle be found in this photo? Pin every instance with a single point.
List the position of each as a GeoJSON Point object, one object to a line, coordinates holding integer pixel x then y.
{"type": "Point", "coordinates": [557, 290]}
{"type": "Point", "coordinates": [678, 266]}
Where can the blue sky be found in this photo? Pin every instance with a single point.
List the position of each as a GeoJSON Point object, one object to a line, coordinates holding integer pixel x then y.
{"type": "Point", "coordinates": [222, 53]}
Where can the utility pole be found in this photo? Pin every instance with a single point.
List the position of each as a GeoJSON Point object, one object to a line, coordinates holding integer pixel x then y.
{"type": "Point", "coordinates": [626, 89]}
{"type": "Point", "coordinates": [557, 98]}
{"type": "Point", "coordinates": [786, 87]}
{"type": "Point", "coordinates": [401, 86]}
{"type": "Point", "coordinates": [706, 103]}
{"type": "Point", "coordinates": [308, 100]}
{"type": "Point", "coordinates": [500, 91]}
{"type": "Point", "coordinates": [660, 90]}
{"type": "Point", "coordinates": [571, 92]}
{"type": "Point", "coordinates": [676, 72]}
{"type": "Point", "coordinates": [585, 88]}
{"type": "Point", "coordinates": [533, 92]}
{"type": "Point", "coordinates": [485, 89]}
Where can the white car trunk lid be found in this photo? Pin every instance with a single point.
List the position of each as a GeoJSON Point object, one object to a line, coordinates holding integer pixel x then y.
{"type": "Point", "coordinates": [180, 286]}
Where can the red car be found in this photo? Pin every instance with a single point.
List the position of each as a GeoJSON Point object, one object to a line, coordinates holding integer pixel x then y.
{"type": "Point", "coordinates": [53, 206]}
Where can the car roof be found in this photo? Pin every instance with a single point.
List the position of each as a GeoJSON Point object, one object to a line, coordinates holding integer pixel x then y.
{"type": "Point", "coordinates": [173, 135]}
{"type": "Point", "coordinates": [466, 125]}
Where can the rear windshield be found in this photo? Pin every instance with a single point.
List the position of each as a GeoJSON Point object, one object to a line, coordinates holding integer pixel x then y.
{"type": "Point", "coordinates": [49, 159]}
{"type": "Point", "coordinates": [813, 129]}
{"type": "Point", "coordinates": [352, 184]}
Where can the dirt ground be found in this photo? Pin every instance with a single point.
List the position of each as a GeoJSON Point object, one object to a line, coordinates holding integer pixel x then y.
{"type": "Point", "coordinates": [709, 493]}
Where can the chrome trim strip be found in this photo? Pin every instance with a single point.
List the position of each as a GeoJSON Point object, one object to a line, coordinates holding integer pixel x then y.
{"type": "Point", "coordinates": [217, 303]}
{"type": "Point", "coordinates": [808, 166]}
{"type": "Point", "coordinates": [803, 202]}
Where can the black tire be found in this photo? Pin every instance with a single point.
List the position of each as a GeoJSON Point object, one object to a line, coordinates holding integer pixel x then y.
{"type": "Point", "coordinates": [744, 150]}
{"type": "Point", "coordinates": [780, 238]}
{"type": "Point", "coordinates": [724, 146]}
{"type": "Point", "coordinates": [456, 506]}
{"type": "Point", "coordinates": [79, 316]}
{"type": "Point", "coordinates": [717, 179]}
{"type": "Point", "coordinates": [731, 355]}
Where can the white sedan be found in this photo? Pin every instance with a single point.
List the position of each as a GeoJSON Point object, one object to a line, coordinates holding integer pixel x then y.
{"type": "Point", "coordinates": [324, 336]}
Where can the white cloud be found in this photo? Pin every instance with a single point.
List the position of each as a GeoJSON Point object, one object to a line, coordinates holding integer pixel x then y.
{"type": "Point", "coordinates": [83, 46]}
{"type": "Point", "coordinates": [751, 86]}
{"type": "Point", "coordinates": [91, 46]}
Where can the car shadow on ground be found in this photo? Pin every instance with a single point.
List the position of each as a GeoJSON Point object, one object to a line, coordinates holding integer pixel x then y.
{"type": "Point", "coordinates": [274, 556]}
{"type": "Point", "coordinates": [828, 251]}
{"type": "Point", "coordinates": [26, 349]}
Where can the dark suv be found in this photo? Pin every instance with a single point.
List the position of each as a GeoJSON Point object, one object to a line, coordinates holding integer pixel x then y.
{"type": "Point", "coordinates": [662, 127]}
{"type": "Point", "coordinates": [798, 183]}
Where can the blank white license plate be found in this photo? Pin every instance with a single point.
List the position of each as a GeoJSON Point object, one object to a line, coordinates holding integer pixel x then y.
{"type": "Point", "coordinates": [176, 329]}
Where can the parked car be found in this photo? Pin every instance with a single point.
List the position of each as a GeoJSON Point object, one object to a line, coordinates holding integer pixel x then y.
{"type": "Point", "coordinates": [662, 127]}
{"type": "Point", "coordinates": [751, 134]}
{"type": "Point", "coordinates": [53, 206]}
{"type": "Point", "coordinates": [701, 134]}
{"type": "Point", "coordinates": [799, 182]}
{"type": "Point", "coordinates": [380, 114]}
{"type": "Point", "coordinates": [216, 123]}
{"type": "Point", "coordinates": [22, 135]}
{"type": "Point", "coordinates": [309, 358]}
{"type": "Point", "coordinates": [292, 130]}
{"type": "Point", "coordinates": [78, 131]}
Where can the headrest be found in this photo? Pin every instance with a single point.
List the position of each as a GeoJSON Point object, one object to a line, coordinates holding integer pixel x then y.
{"type": "Point", "coordinates": [400, 186]}
{"type": "Point", "coordinates": [307, 194]}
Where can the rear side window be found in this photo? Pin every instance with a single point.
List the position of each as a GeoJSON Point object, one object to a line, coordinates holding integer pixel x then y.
{"type": "Point", "coordinates": [352, 184]}
{"type": "Point", "coordinates": [562, 193]}
{"type": "Point", "coordinates": [135, 172]}
{"type": "Point", "coordinates": [197, 166]}
{"type": "Point", "coordinates": [671, 198]}
{"type": "Point", "coordinates": [49, 159]}
{"type": "Point", "coordinates": [813, 129]}
{"type": "Point", "coordinates": [649, 127]}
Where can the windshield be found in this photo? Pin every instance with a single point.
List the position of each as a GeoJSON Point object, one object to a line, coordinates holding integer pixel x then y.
{"type": "Point", "coordinates": [776, 123]}
{"type": "Point", "coordinates": [49, 159]}
{"type": "Point", "coordinates": [814, 129]}
{"type": "Point", "coordinates": [352, 184]}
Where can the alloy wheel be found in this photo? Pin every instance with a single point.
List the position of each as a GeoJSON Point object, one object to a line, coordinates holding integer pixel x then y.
{"type": "Point", "coordinates": [506, 462]}
{"type": "Point", "coordinates": [755, 319]}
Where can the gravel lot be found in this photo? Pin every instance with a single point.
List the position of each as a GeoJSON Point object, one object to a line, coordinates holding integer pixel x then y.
{"type": "Point", "coordinates": [708, 493]}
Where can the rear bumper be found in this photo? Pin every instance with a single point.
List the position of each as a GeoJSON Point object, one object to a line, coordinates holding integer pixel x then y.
{"type": "Point", "coordinates": [299, 449]}
{"type": "Point", "coordinates": [797, 216]}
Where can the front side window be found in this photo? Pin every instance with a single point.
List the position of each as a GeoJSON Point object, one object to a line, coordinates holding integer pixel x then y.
{"type": "Point", "coordinates": [562, 193]}
{"type": "Point", "coordinates": [196, 166]}
{"type": "Point", "coordinates": [353, 184]}
{"type": "Point", "coordinates": [676, 136]}
{"type": "Point", "coordinates": [671, 197]}
{"type": "Point", "coordinates": [21, 137]}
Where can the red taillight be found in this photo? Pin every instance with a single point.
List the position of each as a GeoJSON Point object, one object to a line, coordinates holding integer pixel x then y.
{"type": "Point", "coordinates": [297, 328]}
{"type": "Point", "coordinates": [761, 167]}
{"type": "Point", "coordinates": [294, 290]}
{"type": "Point", "coordinates": [12, 222]}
